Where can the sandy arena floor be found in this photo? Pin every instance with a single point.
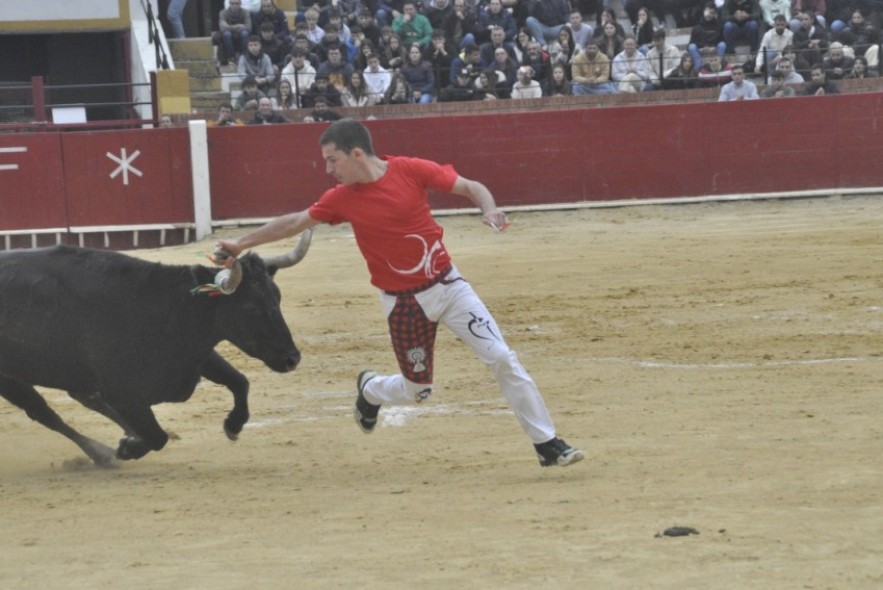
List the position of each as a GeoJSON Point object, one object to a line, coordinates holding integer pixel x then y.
{"type": "Point", "coordinates": [720, 364]}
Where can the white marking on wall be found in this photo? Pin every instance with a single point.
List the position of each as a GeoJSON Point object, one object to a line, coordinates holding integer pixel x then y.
{"type": "Point", "coordinates": [125, 165]}
{"type": "Point", "coordinates": [11, 150]}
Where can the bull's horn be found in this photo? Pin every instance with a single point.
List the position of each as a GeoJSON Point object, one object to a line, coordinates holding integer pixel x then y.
{"type": "Point", "coordinates": [228, 279]}
{"type": "Point", "coordinates": [291, 258]}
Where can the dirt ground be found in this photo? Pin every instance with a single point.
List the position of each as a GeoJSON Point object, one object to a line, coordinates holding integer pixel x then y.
{"type": "Point", "coordinates": [719, 363]}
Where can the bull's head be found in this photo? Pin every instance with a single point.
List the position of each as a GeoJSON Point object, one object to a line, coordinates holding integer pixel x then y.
{"type": "Point", "coordinates": [253, 317]}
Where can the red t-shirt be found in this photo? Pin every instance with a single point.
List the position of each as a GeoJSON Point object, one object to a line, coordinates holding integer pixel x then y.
{"type": "Point", "coordinates": [395, 230]}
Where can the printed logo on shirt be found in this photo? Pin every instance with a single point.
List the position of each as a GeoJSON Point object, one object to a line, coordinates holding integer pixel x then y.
{"type": "Point", "coordinates": [427, 260]}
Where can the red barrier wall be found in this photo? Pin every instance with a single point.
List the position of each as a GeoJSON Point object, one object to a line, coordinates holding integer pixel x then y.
{"type": "Point", "coordinates": [52, 180]}
{"type": "Point", "coordinates": [580, 155]}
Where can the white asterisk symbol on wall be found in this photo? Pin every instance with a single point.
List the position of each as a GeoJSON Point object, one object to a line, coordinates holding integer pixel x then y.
{"type": "Point", "coordinates": [125, 165]}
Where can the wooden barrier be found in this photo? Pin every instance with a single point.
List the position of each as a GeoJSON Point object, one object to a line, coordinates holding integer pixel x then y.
{"type": "Point", "coordinates": [134, 188]}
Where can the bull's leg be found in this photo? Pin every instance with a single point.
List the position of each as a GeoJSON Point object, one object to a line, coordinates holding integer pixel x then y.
{"type": "Point", "coordinates": [145, 435]}
{"type": "Point", "coordinates": [29, 399]}
{"type": "Point", "coordinates": [218, 370]}
{"type": "Point", "coordinates": [94, 402]}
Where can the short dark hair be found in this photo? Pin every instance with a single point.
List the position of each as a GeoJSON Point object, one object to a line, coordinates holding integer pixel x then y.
{"type": "Point", "coordinates": [266, 26]}
{"type": "Point", "coordinates": [659, 34]}
{"type": "Point", "coordinates": [347, 135]}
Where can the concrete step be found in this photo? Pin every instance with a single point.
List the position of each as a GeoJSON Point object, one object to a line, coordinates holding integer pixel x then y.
{"type": "Point", "coordinates": [208, 102]}
{"type": "Point", "coordinates": [192, 49]}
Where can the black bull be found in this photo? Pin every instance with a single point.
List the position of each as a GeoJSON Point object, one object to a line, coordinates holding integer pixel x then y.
{"type": "Point", "coordinates": [120, 334]}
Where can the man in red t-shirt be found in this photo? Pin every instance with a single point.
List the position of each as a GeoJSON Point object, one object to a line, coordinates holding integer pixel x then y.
{"type": "Point", "coordinates": [385, 201]}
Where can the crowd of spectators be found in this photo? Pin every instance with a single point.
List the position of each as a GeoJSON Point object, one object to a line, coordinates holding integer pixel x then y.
{"type": "Point", "coordinates": [365, 52]}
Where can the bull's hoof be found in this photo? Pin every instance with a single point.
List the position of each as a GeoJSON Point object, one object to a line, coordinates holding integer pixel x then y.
{"type": "Point", "coordinates": [131, 448]}
{"type": "Point", "coordinates": [233, 425]}
{"type": "Point", "coordinates": [102, 455]}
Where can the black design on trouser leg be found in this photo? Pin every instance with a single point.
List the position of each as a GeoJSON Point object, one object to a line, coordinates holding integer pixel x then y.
{"type": "Point", "coordinates": [413, 340]}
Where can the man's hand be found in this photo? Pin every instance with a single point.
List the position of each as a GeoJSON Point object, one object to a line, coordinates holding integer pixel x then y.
{"type": "Point", "coordinates": [495, 219]}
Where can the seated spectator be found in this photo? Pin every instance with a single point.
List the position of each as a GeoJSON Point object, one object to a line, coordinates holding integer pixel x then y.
{"type": "Point", "coordinates": [272, 47]}
{"type": "Point", "coordinates": [819, 85]}
{"type": "Point", "coordinates": [663, 57]}
{"type": "Point", "coordinates": [398, 91]}
{"type": "Point", "coordinates": [411, 26]}
{"type": "Point", "coordinates": [581, 32]}
{"type": "Point", "coordinates": [631, 69]}
{"type": "Point", "coordinates": [440, 55]}
{"type": "Point", "coordinates": [608, 16]}
{"type": "Point", "coordinates": [265, 115]}
{"type": "Point", "coordinates": [860, 34]}
{"type": "Point", "coordinates": [393, 56]}
{"type": "Point", "coordinates": [525, 86]}
{"type": "Point", "coordinates": [811, 39]}
{"type": "Point", "coordinates": [357, 93]}
{"type": "Point", "coordinates": [330, 41]}
{"type": "Point", "coordinates": [285, 98]}
{"type": "Point", "coordinates": [299, 73]}
{"type": "Point", "coordinates": [165, 122]}
{"type": "Point", "coordinates": [269, 12]}
{"type": "Point", "coordinates": [798, 63]}
{"type": "Point", "coordinates": [225, 117]}
{"type": "Point", "coordinates": [369, 28]}
{"type": "Point", "coordinates": [335, 22]}
{"type": "Point", "coordinates": [591, 72]}
{"type": "Point", "coordinates": [558, 84]}
{"type": "Point", "coordinates": [460, 25]}
{"type": "Point", "coordinates": [738, 88]}
{"type": "Point", "coordinates": [322, 112]}
{"type": "Point", "coordinates": [771, 45]}
{"type": "Point", "coordinates": [789, 74]}
{"type": "Point", "coordinates": [495, 16]}
{"type": "Point", "coordinates": [363, 48]}
{"type": "Point", "coordinates": [301, 42]}
{"type": "Point", "coordinates": [235, 28]}
{"type": "Point", "coordinates": [522, 40]}
{"type": "Point", "coordinates": [562, 50]}
{"type": "Point", "coordinates": [642, 29]}
{"type": "Point", "coordinates": [418, 73]}
{"type": "Point", "coordinates": [469, 60]}
{"type": "Point", "coordinates": [816, 8]}
{"type": "Point", "coordinates": [716, 70]}
{"type": "Point", "coordinates": [610, 42]}
{"type": "Point", "coordinates": [540, 62]}
{"type": "Point", "coordinates": [741, 23]}
{"type": "Point", "coordinates": [314, 32]}
{"type": "Point", "coordinates": [377, 78]}
{"type": "Point", "coordinates": [684, 77]}
{"type": "Point", "coordinates": [250, 95]}
{"type": "Point", "coordinates": [505, 66]}
{"type": "Point", "coordinates": [321, 87]}
{"type": "Point", "coordinates": [860, 70]}
{"type": "Point", "coordinates": [771, 9]}
{"type": "Point", "coordinates": [255, 63]}
{"type": "Point", "coordinates": [436, 11]}
{"type": "Point", "coordinates": [709, 33]}
{"type": "Point", "coordinates": [488, 49]}
{"type": "Point", "coordinates": [837, 63]}
{"type": "Point", "coordinates": [337, 70]}
{"type": "Point", "coordinates": [547, 18]}
{"type": "Point", "coordinates": [461, 89]}
{"type": "Point", "coordinates": [493, 84]}
{"type": "Point", "coordinates": [777, 87]}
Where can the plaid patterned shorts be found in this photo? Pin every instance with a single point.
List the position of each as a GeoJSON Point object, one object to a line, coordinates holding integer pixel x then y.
{"type": "Point", "coordinates": [413, 338]}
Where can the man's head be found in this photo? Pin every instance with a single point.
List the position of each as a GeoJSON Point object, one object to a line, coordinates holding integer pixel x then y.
{"type": "Point", "coordinates": [166, 121]}
{"type": "Point", "coordinates": [591, 49]}
{"type": "Point", "coordinates": [321, 81]}
{"type": "Point", "coordinates": [249, 85]}
{"type": "Point", "coordinates": [266, 30]}
{"type": "Point", "coordinates": [268, 7]}
{"type": "Point", "coordinates": [374, 62]}
{"type": "Point", "coordinates": [738, 75]}
{"type": "Point", "coordinates": [805, 19]}
{"type": "Point", "coordinates": [265, 107]}
{"type": "Point", "coordinates": [525, 74]}
{"type": "Point", "coordinates": [659, 39]}
{"type": "Point", "coordinates": [235, 6]}
{"type": "Point", "coordinates": [835, 52]}
{"type": "Point", "coordinates": [777, 79]}
{"type": "Point", "coordinates": [298, 57]}
{"type": "Point", "coordinates": [225, 111]}
{"type": "Point", "coordinates": [334, 55]}
{"type": "Point", "coordinates": [463, 77]}
{"type": "Point", "coordinates": [785, 66]}
{"type": "Point", "coordinates": [409, 8]}
{"type": "Point", "coordinates": [630, 46]}
{"type": "Point", "coordinates": [818, 75]}
{"type": "Point", "coordinates": [710, 11]}
{"type": "Point", "coordinates": [495, 6]}
{"type": "Point", "coordinates": [473, 53]}
{"type": "Point", "coordinates": [498, 35]}
{"type": "Point", "coordinates": [312, 17]}
{"type": "Point", "coordinates": [254, 44]}
{"type": "Point", "coordinates": [500, 55]}
{"type": "Point", "coordinates": [576, 19]}
{"type": "Point", "coordinates": [780, 24]}
{"type": "Point", "coordinates": [346, 147]}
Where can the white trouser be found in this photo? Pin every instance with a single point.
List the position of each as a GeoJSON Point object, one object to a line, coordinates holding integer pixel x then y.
{"type": "Point", "coordinates": [457, 306]}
